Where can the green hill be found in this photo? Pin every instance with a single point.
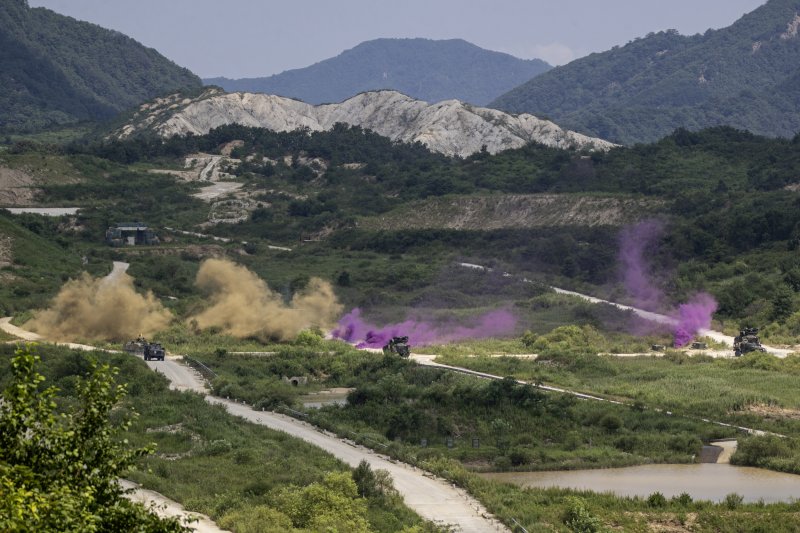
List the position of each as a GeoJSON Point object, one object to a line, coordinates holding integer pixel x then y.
{"type": "Point", "coordinates": [422, 68]}
{"type": "Point", "coordinates": [58, 70]}
{"type": "Point", "coordinates": [745, 76]}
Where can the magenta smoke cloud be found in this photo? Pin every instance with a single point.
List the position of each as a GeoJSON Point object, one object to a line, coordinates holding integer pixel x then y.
{"type": "Point", "coordinates": [636, 243]}
{"type": "Point", "coordinates": [352, 328]}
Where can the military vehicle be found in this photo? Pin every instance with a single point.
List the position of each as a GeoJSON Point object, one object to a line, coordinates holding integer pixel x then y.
{"type": "Point", "coordinates": [747, 341]}
{"type": "Point", "coordinates": [149, 350]}
{"type": "Point", "coordinates": [135, 347]}
{"type": "Point", "coordinates": [399, 346]}
{"type": "Point", "coordinates": [154, 351]}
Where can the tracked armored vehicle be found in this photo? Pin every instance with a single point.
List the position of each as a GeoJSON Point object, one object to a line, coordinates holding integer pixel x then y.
{"type": "Point", "coordinates": [747, 341]}
{"type": "Point", "coordinates": [136, 347]}
{"type": "Point", "coordinates": [398, 346]}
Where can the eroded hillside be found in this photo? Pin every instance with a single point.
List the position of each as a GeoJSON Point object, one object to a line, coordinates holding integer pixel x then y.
{"type": "Point", "coordinates": [508, 211]}
{"type": "Point", "coordinates": [449, 127]}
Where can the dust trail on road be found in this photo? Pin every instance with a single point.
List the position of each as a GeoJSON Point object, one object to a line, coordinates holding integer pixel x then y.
{"type": "Point", "coordinates": [100, 308]}
{"type": "Point", "coordinates": [243, 305]}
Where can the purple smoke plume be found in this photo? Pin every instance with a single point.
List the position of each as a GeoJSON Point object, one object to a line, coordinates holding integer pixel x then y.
{"type": "Point", "coordinates": [689, 317]}
{"type": "Point", "coordinates": [693, 316]}
{"type": "Point", "coordinates": [634, 243]}
{"type": "Point", "coordinates": [352, 328]}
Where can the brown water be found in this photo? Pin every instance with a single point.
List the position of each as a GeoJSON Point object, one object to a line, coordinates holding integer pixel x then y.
{"type": "Point", "coordinates": [701, 481]}
{"type": "Point", "coordinates": [323, 398]}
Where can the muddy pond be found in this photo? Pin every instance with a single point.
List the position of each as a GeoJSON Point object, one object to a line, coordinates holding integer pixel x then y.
{"type": "Point", "coordinates": [701, 481]}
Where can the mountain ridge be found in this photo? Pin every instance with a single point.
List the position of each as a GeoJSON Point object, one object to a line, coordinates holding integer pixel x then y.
{"type": "Point", "coordinates": [741, 76]}
{"type": "Point", "coordinates": [55, 70]}
{"type": "Point", "coordinates": [426, 69]}
{"type": "Point", "coordinates": [449, 127]}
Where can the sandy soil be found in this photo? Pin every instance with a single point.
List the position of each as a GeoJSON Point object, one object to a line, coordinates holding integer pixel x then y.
{"type": "Point", "coordinates": [774, 412]}
{"type": "Point", "coordinates": [16, 187]}
{"type": "Point", "coordinates": [6, 253]}
{"type": "Point", "coordinates": [728, 449]}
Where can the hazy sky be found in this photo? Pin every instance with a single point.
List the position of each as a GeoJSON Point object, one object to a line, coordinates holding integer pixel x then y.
{"type": "Point", "coordinates": [251, 38]}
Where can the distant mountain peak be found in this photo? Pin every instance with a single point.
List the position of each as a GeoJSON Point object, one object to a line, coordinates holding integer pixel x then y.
{"type": "Point", "coordinates": [427, 69]}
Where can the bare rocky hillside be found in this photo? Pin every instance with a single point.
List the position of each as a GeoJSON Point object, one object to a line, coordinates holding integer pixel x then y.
{"type": "Point", "coordinates": [449, 127]}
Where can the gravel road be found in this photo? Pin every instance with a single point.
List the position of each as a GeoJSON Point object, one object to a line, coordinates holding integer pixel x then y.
{"type": "Point", "coordinates": [169, 508]}
{"type": "Point", "coordinates": [433, 498]}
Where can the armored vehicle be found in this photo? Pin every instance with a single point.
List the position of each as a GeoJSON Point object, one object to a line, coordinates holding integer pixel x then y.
{"type": "Point", "coordinates": [149, 350]}
{"type": "Point", "coordinates": [399, 346]}
{"type": "Point", "coordinates": [154, 351]}
{"type": "Point", "coordinates": [747, 341]}
{"type": "Point", "coordinates": [135, 347]}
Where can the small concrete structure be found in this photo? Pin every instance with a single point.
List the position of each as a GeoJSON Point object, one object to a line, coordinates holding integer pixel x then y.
{"type": "Point", "coordinates": [296, 380]}
{"type": "Point", "coordinates": [130, 234]}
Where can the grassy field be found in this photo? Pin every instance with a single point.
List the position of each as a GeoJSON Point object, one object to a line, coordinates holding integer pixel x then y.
{"type": "Point", "coordinates": [756, 390]}
{"type": "Point", "coordinates": [251, 465]}
{"type": "Point", "coordinates": [398, 404]}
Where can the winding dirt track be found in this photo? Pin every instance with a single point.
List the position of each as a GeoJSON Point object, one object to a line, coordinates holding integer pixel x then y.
{"type": "Point", "coordinates": [432, 498]}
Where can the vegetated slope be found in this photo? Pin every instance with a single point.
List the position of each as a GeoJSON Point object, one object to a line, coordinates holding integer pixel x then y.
{"type": "Point", "coordinates": [32, 265]}
{"type": "Point", "coordinates": [56, 70]}
{"type": "Point", "coordinates": [745, 76]}
{"type": "Point", "coordinates": [424, 69]}
{"type": "Point", "coordinates": [505, 211]}
{"type": "Point", "coordinates": [450, 127]}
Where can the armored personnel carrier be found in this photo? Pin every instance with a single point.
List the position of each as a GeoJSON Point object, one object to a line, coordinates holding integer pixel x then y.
{"type": "Point", "coordinates": [747, 341]}
{"type": "Point", "coordinates": [136, 347]}
{"type": "Point", "coordinates": [398, 346]}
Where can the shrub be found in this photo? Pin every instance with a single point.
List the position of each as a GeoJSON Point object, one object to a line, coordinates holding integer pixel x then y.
{"type": "Point", "coordinates": [611, 423]}
{"type": "Point", "coordinates": [656, 500]}
{"type": "Point", "coordinates": [683, 499]}
{"type": "Point", "coordinates": [578, 518]}
{"type": "Point", "coordinates": [733, 500]}
{"type": "Point", "coordinates": [217, 447]}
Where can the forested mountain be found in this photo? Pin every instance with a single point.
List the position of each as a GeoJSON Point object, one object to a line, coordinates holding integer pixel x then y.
{"type": "Point", "coordinates": [424, 69]}
{"type": "Point", "coordinates": [746, 75]}
{"type": "Point", "coordinates": [57, 70]}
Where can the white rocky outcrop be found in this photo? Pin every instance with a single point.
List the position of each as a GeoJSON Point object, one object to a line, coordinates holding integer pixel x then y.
{"type": "Point", "coordinates": [449, 127]}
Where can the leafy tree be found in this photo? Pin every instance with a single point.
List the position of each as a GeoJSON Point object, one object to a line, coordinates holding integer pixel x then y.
{"type": "Point", "coordinates": [332, 505]}
{"type": "Point", "coordinates": [58, 472]}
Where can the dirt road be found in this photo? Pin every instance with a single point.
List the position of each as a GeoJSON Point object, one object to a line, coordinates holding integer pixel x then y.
{"type": "Point", "coordinates": [434, 499]}
{"type": "Point", "coordinates": [169, 508]}
{"type": "Point", "coordinates": [180, 376]}
{"type": "Point", "coordinates": [717, 336]}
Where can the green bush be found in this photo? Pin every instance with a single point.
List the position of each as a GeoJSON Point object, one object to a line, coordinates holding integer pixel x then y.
{"type": "Point", "coordinates": [578, 518]}
{"type": "Point", "coordinates": [656, 500]}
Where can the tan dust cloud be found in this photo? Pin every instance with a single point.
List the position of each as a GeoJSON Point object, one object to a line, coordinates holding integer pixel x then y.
{"type": "Point", "coordinates": [100, 309]}
{"type": "Point", "coordinates": [242, 304]}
